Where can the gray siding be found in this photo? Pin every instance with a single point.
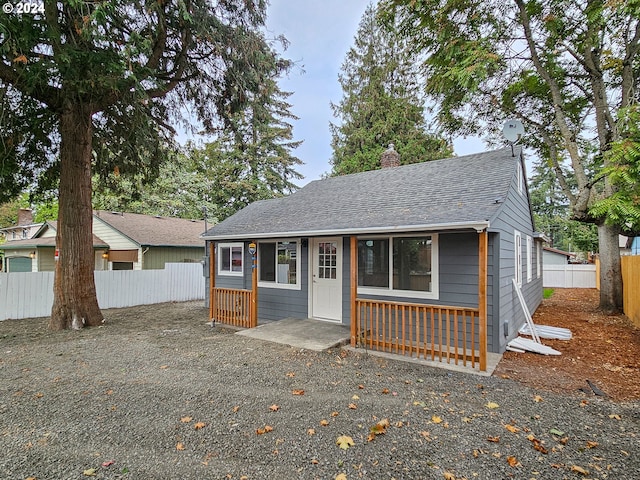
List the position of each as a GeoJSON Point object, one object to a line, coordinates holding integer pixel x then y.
{"type": "Point", "coordinates": [458, 278]}
{"type": "Point", "coordinates": [273, 303]}
{"type": "Point", "coordinates": [514, 215]}
{"type": "Point", "coordinates": [279, 303]}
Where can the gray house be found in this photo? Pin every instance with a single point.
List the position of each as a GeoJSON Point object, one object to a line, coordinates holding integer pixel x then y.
{"type": "Point", "coordinates": [417, 259]}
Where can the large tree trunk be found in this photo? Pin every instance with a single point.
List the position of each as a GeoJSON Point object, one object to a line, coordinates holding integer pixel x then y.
{"type": "Point", "coordinates": [610, 270]}
{"type": "Point", "coordinates": [75, 304]}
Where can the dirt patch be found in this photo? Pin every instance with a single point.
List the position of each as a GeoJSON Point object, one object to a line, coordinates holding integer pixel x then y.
{"type": "Point", "coordinates": [605, 349]}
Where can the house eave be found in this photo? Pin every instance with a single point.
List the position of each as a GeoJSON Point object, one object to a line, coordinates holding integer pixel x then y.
{"type": "Point", "coordinates": [477, 226]}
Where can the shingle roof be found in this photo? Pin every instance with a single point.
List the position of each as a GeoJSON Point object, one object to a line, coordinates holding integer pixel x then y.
{"type": "Point", "coordinates": [35, 242]}
{"type": "Point", "coordinates": [450, 192]}
{"type": "Point", "coordinates": [155, 231]}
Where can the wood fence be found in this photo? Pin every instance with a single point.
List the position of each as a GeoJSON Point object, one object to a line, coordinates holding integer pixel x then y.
{"type": "Point", "coordinates": [30, 294]}
{"type": "Point", "coordinates": [232, 306]}
{"type": "Point", "coordinates": [631, 287]}
{"type": "Point", "coordinates": [427, 331]}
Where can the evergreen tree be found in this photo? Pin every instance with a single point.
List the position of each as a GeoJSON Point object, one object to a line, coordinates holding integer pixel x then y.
{"type": "Point", "coordinates": [565, 68]}
{"type": "Point", "coordinates": [249, 160]}
{"type": "Point", "coordinates": [89, 86]}
{"type": "Point", "coordinates": [381, 104]}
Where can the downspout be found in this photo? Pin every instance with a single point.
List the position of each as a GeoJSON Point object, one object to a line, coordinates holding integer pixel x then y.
{"type": "Point", "coordinates": [142, 258]}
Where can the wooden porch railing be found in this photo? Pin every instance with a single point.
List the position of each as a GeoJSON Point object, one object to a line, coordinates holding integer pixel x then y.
{"type": "Point", "coordinates": [427, 331]}
{"type": "Point", "coordinates": [232, 306]}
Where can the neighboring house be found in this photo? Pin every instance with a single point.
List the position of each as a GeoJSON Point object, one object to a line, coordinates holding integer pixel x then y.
{"type": "Point", "coordinates": [634, 246]}
{"type": "Point", "coordinates": [553, 256]}
{"type": "Point", "coordinates": [24, 229]}
{"type": "Point", "coordinates": [121, 241]}
{"type": "Point", "coordinates": [451, 232]}
{"type": "Point", "coordinates": [37, 254]}
{"type": "Point", "coordinates": [143, 242]}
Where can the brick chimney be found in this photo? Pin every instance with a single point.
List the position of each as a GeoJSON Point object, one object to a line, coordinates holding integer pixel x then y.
{"type": "Point", "coordinates": [390, 158]}
{"type": "Point", "coordinates": [25, 216]}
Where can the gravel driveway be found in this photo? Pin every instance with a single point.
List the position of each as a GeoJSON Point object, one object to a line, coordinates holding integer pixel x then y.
{"type": "Point", "coordinates": [158, 394]}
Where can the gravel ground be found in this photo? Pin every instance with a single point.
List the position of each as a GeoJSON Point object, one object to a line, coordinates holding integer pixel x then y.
{"type": "Point", "coordinates": [158, 394]}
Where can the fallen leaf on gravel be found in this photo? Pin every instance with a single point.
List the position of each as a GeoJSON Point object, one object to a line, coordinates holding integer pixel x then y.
{"type": "Point", "coordinates": [355, 397]}
{"type": "Point", "coordinates": [361, 387]}
{"type": "Point", "coordinates": [512, 429]}
{"type": "Point", "coordinates": [311, 431]}
{"type": "Point", "coordinates": [575, 468]}
{"type": "Point", "coordinates": [314, 461]}
{"type": "Point", "coordinates": [262, 431]}
{"type": "Point", "coordinates": [353, 406]}
{"type": "Point", "coordinates": [385, 391]}
{"type": "Point", "coordinates": [298, 392]}
{"type": "Point", "coordinates": [199, 425]}
{"type": "Point", "coordinates": [236, 408]}
{"type": "Point", "coordinates": [537, 444]}
{"type": "Point", "coordinates": [108, 463]}
{"type": "Point", "coordinates": [274, 408]}
{"type": "Point", "coordinates": [466, 419]}
{"type": "Point", "coordinates": [556, 432]}
{"type": "Point", "coordinates": [91, 472]}
{"type": "Point", "coordinates": [164, 367]}
{"type": "Point", "coordinates": [449, 476]}
{"type": "Point", "coordinates": [344, 442]}
{"type": "Point", "coordinates": [492, 405]}
{"type": "Point", "coordinates": [615, 416]}
{"type": "Point", "coordinates": [341, 476]}
{"type": "Point", "coordinates": [291, 374]}
{"type": "Point", "coordinates": [324, 422]}
{"type": "Point", "coordinates": [493, 439]}
{"type": "Point", "coordinates": [591, 444]}
{"type": "Point", "coordinates": [180, 446]}
{"type": "Point", "coordinates": [513, 461]}
{"type": "Point", "coordinates": [537, 399]}
{"type": "Point", "coordinates": [334, 414]}
{"type": "Point", "coordinates": [186, 419]}
{"type": "Point", "coordinates": [436, 419]}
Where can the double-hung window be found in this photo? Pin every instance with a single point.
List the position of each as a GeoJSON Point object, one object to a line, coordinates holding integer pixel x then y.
{"type": "Point", "coordinates": [278, 264]}
{"type": "Point", "coordinates": [398, 266]}
{"type": "Point", "coordinates": [230, 258]}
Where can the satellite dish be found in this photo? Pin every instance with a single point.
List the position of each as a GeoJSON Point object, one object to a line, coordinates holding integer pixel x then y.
{"type": "Point", "coordinates": [513, 130]}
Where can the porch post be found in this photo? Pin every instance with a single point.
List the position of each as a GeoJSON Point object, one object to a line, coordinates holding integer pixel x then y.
{"type": "Point", "coordinates": [354, 287]}
{"type": "Point", "coordinates": [212, 278]}
{"type": "Point", "coordinates": [254, 286]}
{"type": "Point", "coordinates": [483, 248]}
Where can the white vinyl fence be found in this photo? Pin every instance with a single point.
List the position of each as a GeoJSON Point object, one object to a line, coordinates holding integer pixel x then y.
{"type": "Point", "coordinates": [26, 295]}
{"type": "Point", "coordinates": [569, 276]}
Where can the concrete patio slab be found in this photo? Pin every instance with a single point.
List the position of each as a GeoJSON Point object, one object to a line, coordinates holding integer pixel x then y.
{"type": "Point", "coordinates": [309, 334]}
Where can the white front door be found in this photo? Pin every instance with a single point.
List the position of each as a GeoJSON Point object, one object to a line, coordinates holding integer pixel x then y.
{"type": "Point", "coordinates": [327, 279]}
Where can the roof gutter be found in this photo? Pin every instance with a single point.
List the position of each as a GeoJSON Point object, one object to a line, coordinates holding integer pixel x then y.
{"type": "Point", "coordinates": [477, 226]}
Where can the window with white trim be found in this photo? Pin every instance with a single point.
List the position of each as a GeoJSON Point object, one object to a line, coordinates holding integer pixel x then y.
{"type": "Point", "coordinates": [278, 264]}
{"type": "Point", "coordinates": [398, 266]}
{"type": "Point", "coordinates": [230, 259]}
{"type": "Point", "coordinates": [538, 259]}
{"type": "Point", "coordinates": [520, 179]}
{"type": "Point", "coordinates": [529, 258]}
{"type": "Point", "coordinates": [517, 252]}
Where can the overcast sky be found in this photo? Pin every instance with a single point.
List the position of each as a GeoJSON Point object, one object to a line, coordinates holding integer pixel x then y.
{"type": "Point", "coordinates": [320, 34]}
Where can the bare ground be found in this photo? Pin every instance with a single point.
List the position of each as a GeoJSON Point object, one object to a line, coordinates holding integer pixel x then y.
{"type": "Point", "coordinates": [605, 349]}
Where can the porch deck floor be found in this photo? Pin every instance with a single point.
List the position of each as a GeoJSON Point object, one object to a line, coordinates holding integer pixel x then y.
{"type": "Point", "coordinates": [317, 335]}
